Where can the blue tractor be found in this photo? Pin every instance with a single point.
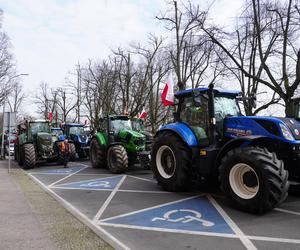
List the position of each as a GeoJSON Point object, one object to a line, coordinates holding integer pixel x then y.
{"type": "Point", "coordinates": [78, 138]}
{"type": "Point", "coordinates": [250, 157]}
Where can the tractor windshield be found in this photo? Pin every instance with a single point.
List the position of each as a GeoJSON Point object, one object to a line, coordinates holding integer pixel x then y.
{"type": "Point", "coordinates": [76, 130]}
{"type": "Point", "coordinates": [57, 132]}
{"type": "Point", "coordinates": [39, 127]}
{"type": "Point", "coordinates": [225, 106]}
{"type": "Point", "coordinates": [137, 124]}
{"type": "Point", "coordinates": [119, 124]}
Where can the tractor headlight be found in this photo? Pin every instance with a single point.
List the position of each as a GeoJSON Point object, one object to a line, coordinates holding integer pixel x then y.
{"type": "Point", "coordinates": [286, 132]}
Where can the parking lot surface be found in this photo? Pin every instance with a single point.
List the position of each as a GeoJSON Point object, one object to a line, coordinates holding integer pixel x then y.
{"type": "Point", "coordinates": [131, 211]}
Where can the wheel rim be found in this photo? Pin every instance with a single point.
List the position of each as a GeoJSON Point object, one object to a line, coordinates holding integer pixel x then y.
{"type": "Point", "coordinates": [244, 181]}
{"type": "Point", "coordinates": [165, 162]}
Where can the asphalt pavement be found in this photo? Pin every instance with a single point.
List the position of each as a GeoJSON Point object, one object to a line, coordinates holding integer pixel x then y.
{"type": "Point", "coordinates": [31, 219]}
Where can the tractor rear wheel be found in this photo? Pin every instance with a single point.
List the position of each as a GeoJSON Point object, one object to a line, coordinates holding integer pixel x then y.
{"type": "Point", "coordinates": [29, 156]}
{"type": "Point", "coordinates": [170, 162]}
{"type": "Point", "coordinates": [117, 159]}
{"type": "Point", "coordinates": [253, 179]}
{"type": "Point", "coordinates": [97, 155]}
{"type": "Point", "coordinates": [72, 151]}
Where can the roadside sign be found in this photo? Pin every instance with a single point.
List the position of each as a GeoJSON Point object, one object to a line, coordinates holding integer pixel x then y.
{"type": "Point", "coordinates": [107, 183]}
{"type": "Point", "coordinates": [193, 214]}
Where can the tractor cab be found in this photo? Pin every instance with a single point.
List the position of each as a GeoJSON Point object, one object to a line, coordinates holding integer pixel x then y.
{"type": "Point", "coordinates": [56, 133]}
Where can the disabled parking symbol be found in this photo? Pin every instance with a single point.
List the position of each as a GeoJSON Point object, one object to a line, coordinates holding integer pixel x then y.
{"type": "Point", "coordinates": [107, 183]}
{"type": "Point", "coordinates": [194, 214]}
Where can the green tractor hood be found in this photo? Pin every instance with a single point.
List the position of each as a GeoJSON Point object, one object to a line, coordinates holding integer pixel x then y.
{"type": "Point", "coordinates": [133, 141]}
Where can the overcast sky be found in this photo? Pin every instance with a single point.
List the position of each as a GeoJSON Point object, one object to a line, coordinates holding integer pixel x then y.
{"type": "Point", "coordinates": [50, 36]}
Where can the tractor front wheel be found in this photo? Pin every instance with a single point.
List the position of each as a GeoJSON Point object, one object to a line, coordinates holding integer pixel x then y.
{"type": "Point", "coordinates": [253, 179]}
{"type": "Point", "coordinates": [117, 159]}
{"type": "Point", "coordinates": [170, 162]}
{"type": "Point", "coordinates": [72, 151]}
{"type": "Point", "coordinates": [97, 154]}
{"type": "Point", "coordinates": [29, 156]}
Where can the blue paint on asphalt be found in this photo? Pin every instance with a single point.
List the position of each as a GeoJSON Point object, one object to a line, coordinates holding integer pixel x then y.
{"type": "Point", "coordinates": [98, 184]}
{"type": "Point", "coordinates": [69, 170]}
{"type": "Point", "coordinates": [195, 214]}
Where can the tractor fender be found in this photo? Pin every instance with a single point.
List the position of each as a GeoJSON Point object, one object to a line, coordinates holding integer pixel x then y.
{"type": "Point", "coordinates": [101, 139]}
{"type": "Point", "coordinates": [242, 142]}
{"type": "Point", "coordinates": [183, 131]}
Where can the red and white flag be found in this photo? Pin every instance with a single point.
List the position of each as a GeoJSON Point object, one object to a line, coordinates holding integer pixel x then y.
{"type": "Point", "coordinates": [167, 95]}
{"type": "Point", "coordinates": [143, 115]}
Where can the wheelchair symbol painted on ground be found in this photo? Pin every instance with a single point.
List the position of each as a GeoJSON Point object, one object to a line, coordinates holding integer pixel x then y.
{"type": "Point", "coordinates": [194, 216]}
{"type": "Point", "coordinates": [104, 184]}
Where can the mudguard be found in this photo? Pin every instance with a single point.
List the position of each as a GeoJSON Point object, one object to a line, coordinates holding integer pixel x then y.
{"type": "Point", "coordinates": [183, 131]}
{"type": "Point", "coordinates": [101, 139]}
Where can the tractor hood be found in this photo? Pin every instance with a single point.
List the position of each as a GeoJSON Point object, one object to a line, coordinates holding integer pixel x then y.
{"type": "Point", "coordinates": [285, 129]}
{"type": "Point", "coordinates": [133, 141]}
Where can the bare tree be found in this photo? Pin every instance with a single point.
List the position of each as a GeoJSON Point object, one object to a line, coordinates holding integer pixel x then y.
{"type": "Point", "coordinates": [16, 97]}
{"type": "Point", "coordinates": [276, 30]}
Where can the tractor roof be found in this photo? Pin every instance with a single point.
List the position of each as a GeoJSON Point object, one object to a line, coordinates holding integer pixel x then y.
{"type": "Point", "coordinates": [121, 117]}
{"type": "Point", "coordinates": [56, 128]}
{"type": "Point", "coordinates": [39, 121]}
{"type": "Point", "coordinates": [218, 92]}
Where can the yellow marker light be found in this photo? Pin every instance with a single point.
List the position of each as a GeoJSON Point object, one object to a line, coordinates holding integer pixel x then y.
{"type": "Point", "coordinates": [203, 152]}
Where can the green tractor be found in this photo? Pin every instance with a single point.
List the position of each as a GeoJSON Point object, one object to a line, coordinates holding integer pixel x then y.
{"type": "Point", "coordinates": [118, 145]}
{"type": "Point", "coordinates": [34, 143]}
{"type": "Point", "coordinates": [139, 126]}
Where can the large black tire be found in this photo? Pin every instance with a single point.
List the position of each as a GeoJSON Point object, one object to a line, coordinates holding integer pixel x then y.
{"type": "Point", "coordinates": [253, 179]}
{"type": "Point", "coordinates": [170, 162]}
{"type": "Point", "coordinates": [117, 159]}
{"type": "Point", "coordinates": [29, 156]}
{"type": "Point", "coordinates": [72, 151]}
{"type": "Point", "coordinates": [20, 155]}
{"type": "Point", "coordinates": [97, 154]}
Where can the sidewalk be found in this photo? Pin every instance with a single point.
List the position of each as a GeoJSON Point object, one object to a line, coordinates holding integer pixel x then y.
{"type": "Point", "coordinates": [19, 227]}
{"type": "Point", "coordinates": [31, 219]}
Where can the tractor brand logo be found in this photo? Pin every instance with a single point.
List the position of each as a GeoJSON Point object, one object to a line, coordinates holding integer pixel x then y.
{"type": "Point", "coordinates": [194, 216]}
{"type": "Point", "coordinates": [239, 132]}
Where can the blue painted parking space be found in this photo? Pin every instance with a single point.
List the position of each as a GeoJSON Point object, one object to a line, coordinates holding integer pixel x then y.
{"type": "Point", "coordinates": [107, 183]}
{"type": "Point", "coordinates": [69, 170]}
{"type": "Point", "coordinates": [192, 214]}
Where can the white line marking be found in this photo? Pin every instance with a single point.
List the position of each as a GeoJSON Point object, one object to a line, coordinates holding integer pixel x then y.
{"type": "Point", "coordinates": [66, 177]}
{"type": "Point", "coordinates": [108, 200]}
{"type": "Point", "coordinates": [149, 208]}
{"type": "Point", "coordinates": [143, 179]}
{"type": "Point", "coordinates": [247, 243]}
{"type": "Point", "coordinates": [119, 190]}
{"type": "Point", "coordinates": [282, 240]}
{"type": "Point", "coordinates": [41, 173]}
{"type": "Point", "coordinates": [83, 218]}
{"type": "Point", "coordinates": [287, 211]}
{"type": "Point", "coordinates": [169, 230]}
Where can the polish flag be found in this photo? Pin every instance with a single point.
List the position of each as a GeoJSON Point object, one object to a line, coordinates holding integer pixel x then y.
{"type": "Point", "coordinates": [50, 116]}
{"type": "Point", "coordinates": [143, 115]}
{"type": "Point", "coordinates": [167, 95]}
